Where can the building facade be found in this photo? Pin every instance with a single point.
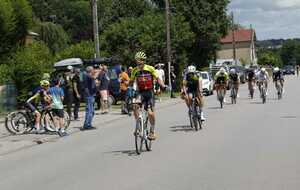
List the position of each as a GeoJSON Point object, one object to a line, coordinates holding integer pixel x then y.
{"type": "Point", "coordinates": [244, 46]}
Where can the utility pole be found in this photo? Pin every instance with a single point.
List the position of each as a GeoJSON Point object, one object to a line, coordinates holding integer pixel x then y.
{"type": "Point", "coordinates": [233, 39]}
{"type": "Point", "coordinates": [168, 31]}
{"type": "Point", "coordinates": [96, 28]}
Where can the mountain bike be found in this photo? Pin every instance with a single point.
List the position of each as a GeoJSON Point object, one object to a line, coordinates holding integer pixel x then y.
{"type": "Point", "coordinates": [195, 114]}
{"type": "Point", "coordinates": [142, 130]}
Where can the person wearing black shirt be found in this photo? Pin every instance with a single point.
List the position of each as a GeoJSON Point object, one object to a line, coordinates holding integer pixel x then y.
{"type": "Point", "coordinates": [77, 92]}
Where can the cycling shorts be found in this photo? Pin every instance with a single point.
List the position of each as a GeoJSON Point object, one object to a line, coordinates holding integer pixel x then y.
{"type": "Point", "coordinates": [147, 99]}
{"type": "Point", "coordinates": [58, 113]}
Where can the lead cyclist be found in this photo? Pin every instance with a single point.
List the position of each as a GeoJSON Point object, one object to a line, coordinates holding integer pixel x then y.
{"type": "Point", "coordinates": [144, 75]}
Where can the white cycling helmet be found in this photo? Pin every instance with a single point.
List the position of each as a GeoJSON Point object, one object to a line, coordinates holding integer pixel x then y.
{"type": "Point", "coordinates": [276, 69]}
{"type": "Point", "coordinates": [263, 70]}
{"type": "Point", "coordinates": [191, 69]}
{"type": "Point", "coordinates": [222, 70]}
{"type": "Point", "coordinates": [232, 71]}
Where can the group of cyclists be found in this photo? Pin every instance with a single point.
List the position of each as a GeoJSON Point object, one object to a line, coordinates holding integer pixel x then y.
{"type": "Point", "coordinates": [144, 77]}
{"type": "Point", "coordinates": [259, 77]}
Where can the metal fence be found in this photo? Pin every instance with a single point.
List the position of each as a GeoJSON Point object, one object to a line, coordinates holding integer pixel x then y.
{"type": "Point", "coordinates": [8, 94]}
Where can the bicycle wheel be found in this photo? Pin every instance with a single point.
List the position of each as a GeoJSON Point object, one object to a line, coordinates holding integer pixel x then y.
{"type": "Point", "coordinates": [191, 120]}
{"type": "Point", "coordinates": [17, 123]}
{"type": "Point", "coordinates": [195, 116]}
{"type": "Point", "coordinates": [232, 96]}
{"type": "Point", "coordinates": [139, 138]}
{"type": "Point", "coordinates": [148, 143]}
{"type": "Point", "coordinates": [47, 121]}
{"type": "Point", "coordinates": [263, 95]}
{"type": "Point", "coordinates": [67, 120]}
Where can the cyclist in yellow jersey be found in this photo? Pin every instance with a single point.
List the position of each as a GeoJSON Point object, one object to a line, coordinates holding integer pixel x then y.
{"type": "Point", "coordinates": [42, 97]}
{"type": "Point", "coordinates": [144, 76]}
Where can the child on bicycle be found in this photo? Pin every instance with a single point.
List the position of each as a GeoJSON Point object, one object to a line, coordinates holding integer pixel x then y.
{"type": "Point", "coordinates": [57, 106]}
{"type": "Point", "coordinates": [40, 98]}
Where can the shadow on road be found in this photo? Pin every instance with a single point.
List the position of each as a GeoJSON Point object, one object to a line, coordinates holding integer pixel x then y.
{"type": "Point", "coordinates": [126, 152]}
{"type": "Point", "coordinates": [256, 103]}
{"type": "Point", "coordinates": [182, 128]}
{"type": "Point", "coordinates": [214, 108]}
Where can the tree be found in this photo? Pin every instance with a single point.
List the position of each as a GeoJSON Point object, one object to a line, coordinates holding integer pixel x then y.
{"type": "Point", "coordinates": [209, 21]}
{"type": "Point", "coordinates": [289, 52]}
{"type": "Point", "coordinates": [146, 33]}
{"type": "Point", "coordinates": [269, 58]}
{"type": "Point", "coordinates": [27, 66]}
{"type": "Point", "coordinates": [7, 25]}
{"type": "Point", "coordinates": [15, 21]}
{"type": "Point", "coordinates": [54, 36]}
{"type": "Point", "coordinates": [23, 19]}
{"type": "Point", "coordinates": [83, 50]}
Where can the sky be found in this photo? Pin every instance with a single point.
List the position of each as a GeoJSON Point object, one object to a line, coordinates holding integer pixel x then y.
{"type": "Point", "coordinates": [272, 19]}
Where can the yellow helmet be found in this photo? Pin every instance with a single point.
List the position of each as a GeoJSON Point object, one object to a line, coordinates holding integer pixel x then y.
{"type": "Point", "coordinates": [44, 83]}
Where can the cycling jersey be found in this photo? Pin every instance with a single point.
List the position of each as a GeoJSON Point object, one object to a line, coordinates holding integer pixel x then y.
{"type": "Point", "coordinates": [234, 77]}
{"type": "Point", "coordinates": [221, 78]}
{"type": "Point", "coordinates": [38, 98]}
{"type": "Point", "coordinates": [278, 76]}
{"type": "Point", "coordinates": [262, 76]}
{"type": "Point", "coordinates": [251, 75]}
{"type": "Point", "coordinates": [191, 80]}
{"type": "Point", "coordinates": [144, 78]}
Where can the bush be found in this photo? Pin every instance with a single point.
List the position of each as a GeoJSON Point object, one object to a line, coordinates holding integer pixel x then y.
{"type": "Point", "coordinates": [5, 74]}
{"type": "Point", "coordinates": [83, 50]}
{"type": "Point", "coordinates": [27, 66]}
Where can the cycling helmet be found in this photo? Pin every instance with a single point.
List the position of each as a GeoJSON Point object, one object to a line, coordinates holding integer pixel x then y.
{"type": "Point", "coordinates": [70, 67]}
{"type": "Point", "coordinates": [263, 70]}
{"type": "Point", "coordinates": [191, 69]}
{"type": "Point", "coordinates": [232, 71]}
{"type": "Point", "coordinates": [222, 70]}
{"type": "Point", "coordinates": [140, 56]}
{"type": "Point", "coordinates": [44, 83]}
{"type": "Point", "coordinates": [276, 69]}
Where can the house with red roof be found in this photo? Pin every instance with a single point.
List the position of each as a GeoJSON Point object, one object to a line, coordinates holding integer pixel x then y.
{"type": "Point", "coordinates": [245, 50]}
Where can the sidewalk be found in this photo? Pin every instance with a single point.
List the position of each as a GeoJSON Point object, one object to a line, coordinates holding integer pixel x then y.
{"type": "Point", "coordinates": [12, 143]}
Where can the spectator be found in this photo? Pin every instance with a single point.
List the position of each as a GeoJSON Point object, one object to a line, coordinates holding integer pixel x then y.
{"type": "Point", "coordinates": [69, 90]}
{"type": "Point", "coordinates": [98, 95]}
{"type": "Point", "coordinates": [129, 71]}
{"type": "Point", "coordinates": [103, 88]}
{"type": "Point", "coordinates": [77, 92]}
{"type": "Point", "coordinates": [89, 94]}
{"type": "Point", "coordinates": [57, 106]}
{"type": "Point", "coordinates": [124, 82]}
{"type": "Point", "coordinates": [173, 82]}
{"type": "Point", "coordinates": [161, 76]}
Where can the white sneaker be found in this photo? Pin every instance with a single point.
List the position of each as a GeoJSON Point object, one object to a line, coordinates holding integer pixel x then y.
{"type": "Point", "coordinates": [202, 117]}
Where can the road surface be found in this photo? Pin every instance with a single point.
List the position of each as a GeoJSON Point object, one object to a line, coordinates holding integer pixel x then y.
{"type": "Point", "coordinates": [248, 146]}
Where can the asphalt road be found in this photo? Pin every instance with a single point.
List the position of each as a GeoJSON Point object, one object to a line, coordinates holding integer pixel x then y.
{"type": "Point", "coordinates": [244, 146]}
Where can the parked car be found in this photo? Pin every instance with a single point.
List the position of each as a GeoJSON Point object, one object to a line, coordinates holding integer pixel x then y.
{"type": "Point", "coordinates": [288, 70]}
{"type": "Point", "coordinates": [207, 83]}
{"type": "Point", "coordinates": [241, 71]}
